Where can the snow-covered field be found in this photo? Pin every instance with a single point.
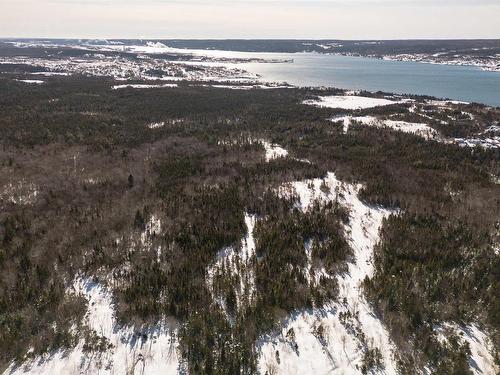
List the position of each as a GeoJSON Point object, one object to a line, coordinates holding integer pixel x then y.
{"type": "Point", "coordinates": [349, 102]}
{"type": "Point", "coordinates": [419, 129]}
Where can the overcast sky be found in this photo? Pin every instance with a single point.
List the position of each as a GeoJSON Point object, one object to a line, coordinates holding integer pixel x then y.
{"type": "Point", "coordinates": [336, 19]}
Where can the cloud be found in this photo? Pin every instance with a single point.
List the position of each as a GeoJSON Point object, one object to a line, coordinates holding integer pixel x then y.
{"type": "Point", "coordinates": [338, 19]}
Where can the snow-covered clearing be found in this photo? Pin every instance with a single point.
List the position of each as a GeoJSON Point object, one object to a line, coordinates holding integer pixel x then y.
{"type": "Point", "coordinates": [149, 351]}
{"type": "Point", "coordinates": [333, 339]}
{"type": "Point", "coordinates": [31, 81]}
{"type": "Point", "coordinates": [50, 74]}
{"type": "Point", "coordinates": [144, 86]}
{"type": "Point", "coordinates": [490, 140]}
{"type": "Point", "coordinates": [349, 102]}
{"type": "Point", "coordinates": [482, 361]}
{"type": "Point", "coordinates": [249, 87]}
{"type": "Point", "coordinates": [420, 129]}
{"type": "Point", "coordinates": [273, 151]}
{"type": "Point", "coordinates": [445, 103]}
{"type": "Point", "coordinates": [493, 142]}
{"type": "Point", "coordinates": [347, 120]}
{"type": "Point", "coordinates": [161, 124]}
{"type": "Point", "coordinates": [231, 87]}
{"type": "Point", "coordinates": [156, 125]}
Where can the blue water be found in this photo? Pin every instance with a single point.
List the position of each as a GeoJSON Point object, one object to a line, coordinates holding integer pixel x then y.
{"type": "Point", "coordinates": [468, 84]}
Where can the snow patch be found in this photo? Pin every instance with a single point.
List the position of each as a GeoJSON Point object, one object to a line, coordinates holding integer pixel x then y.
{"type": "Point", "coordinates": [144, 86]}
{"type": "Point", "coordinates": [22, 193]}
{"type": "Point", "coordinates": [481, 361]}
{"type": "Point", "coordinates": [50, 74]}
{"type": "Point", "coordinates": [156, 125]}
{"type": "Point", "coordinates": [273, 151]}
{"type": "Point", "coordinates": [445, 103]}
{"type": "Point", "coordinates": [347, 121]}
{"type": "Point", "coordinates": [349, 102]}
{"type": "Point", "coordinates": [31, 81]}
{"type": "Point", "coordinates": [487, 143]}
{"type": "Point", "coordinates": [420, 129]}
{"type": "Point", "coordinates": [153, 227]}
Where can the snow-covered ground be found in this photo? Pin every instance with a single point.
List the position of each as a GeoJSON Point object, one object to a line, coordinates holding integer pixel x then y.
{"type": "Point", "coordinates": [31, 81]}
{"type": "Point", "coordinates": [121, 68]}
{"type": "Point", "coordinates": [333, 339]}
{"type": "Point", "coordinates": [153, 228]}
{"type": "Point", "coordinates": [273, 151]}
{"type": "Point", "coordinates": [481, 361]}
{"type": "Point", "coordinates": [151, 61]}
{"type": "Point", "coordinates": [236, 263]}
{"type": "Point", "coordinates": [419, 129]}
{"type": "Point", "coordinates": [349, 102]}
{"type": "Point", "coordinates": [347, 121]}
{"type": "Point", "coordinates": [489, 63]}
{"type": "Point", "coordinates": [488, 139]}
{"type": "Point", "coordinates": [50, 74]}
{"type": "Point", "coordinates": [444, 103]}
{"type": "Point", "coordinates": [22, 193]}
{"type": "Point", "coordinates": [250, 87]}
{"type": "Point", "coordinates": [156, 125]}
{"type": "Point", "coordinates": [490, 142]}
{"type": "Point", "coordinates": [151, 351]}
{"type": "Point", "coordinates": [144, 86]}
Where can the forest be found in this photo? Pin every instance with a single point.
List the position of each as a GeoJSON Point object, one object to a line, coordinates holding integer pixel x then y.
{"type": "Point", "coordinates": [83, 177]}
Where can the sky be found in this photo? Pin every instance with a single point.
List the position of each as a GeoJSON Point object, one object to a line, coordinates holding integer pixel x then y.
{"type": "Point", "coordinates": [225, 19]}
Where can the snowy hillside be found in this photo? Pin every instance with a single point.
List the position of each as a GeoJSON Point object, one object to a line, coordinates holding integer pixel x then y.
{"type": "Point", "coordinates": [123, 350]}
{"type": "Point", "coordinates": [338, 338]}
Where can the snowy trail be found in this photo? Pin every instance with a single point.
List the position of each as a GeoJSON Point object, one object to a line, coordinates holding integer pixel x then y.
{"type": "Point", "coordinates": [236, 263]}
{"type": "Point", "coordinates": [365, 224]}
{"type": "Point", "coordinates": [334, 339]}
